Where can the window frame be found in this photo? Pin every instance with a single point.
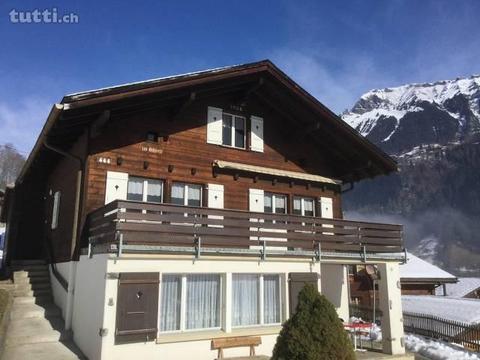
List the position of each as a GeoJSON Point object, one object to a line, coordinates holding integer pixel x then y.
{"type": "Point", "coordinates": [302, 205]}
{"type": "Point", "coordinates": [233, 129]}
{"type": "Point", "coordinates": [145, 189]}
{"type": "Point", "coordinates": [183, 304]}
{"type": "Point", "coordinates": [261, 301]}
{"type": "Point", "coordinates": [57, 197]}
{"type": "Point", "coordinates": [185, 192]}
{"type": "Point", "coordinates": [274, 196]}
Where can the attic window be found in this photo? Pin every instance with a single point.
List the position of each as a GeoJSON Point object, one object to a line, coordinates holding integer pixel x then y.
{"type": "Point", "coordinates": [152, 136]}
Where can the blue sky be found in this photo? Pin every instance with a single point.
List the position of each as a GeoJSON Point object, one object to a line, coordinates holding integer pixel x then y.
{"type": "Point", "coordinates": [337, 50]}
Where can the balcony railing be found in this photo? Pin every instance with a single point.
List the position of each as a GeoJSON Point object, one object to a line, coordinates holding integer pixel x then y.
{"type": "Point", "coordinates": [129, 223]}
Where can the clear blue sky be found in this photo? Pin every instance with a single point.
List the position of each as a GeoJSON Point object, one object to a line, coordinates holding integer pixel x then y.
{"type": "Point", "coordinates": [335, 49]}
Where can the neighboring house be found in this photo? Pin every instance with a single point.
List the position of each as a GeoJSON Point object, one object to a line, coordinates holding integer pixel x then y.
{"type": "Point", "coordinates": [196, 206]}
{"type": "Point", "coordinates": [466, 287]}
{"type": "Point", "coordinates": [417, 277]}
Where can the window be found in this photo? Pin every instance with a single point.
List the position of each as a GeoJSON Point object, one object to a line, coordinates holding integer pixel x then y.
{"type": "Point", "coordinates": [190, 302]}
{"type": "Point", "coordinates": [147, 190]}
{"type": "Point", "coordinates": [303, 206]}
{"type": "Point", "coordinates": [256, 299]}
{"type": "Point", "coordinates": [186, 194]}
{"type": "Point", "coordinates": [56, 209]}
{"type": "Point", "coordinates": [233, 131]}
{"type": "Point", "coordinates": [275, 203]}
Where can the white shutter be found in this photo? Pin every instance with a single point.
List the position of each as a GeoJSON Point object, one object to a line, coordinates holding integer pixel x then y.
{"type": "Point", "coordinates": [214, 125]}
{"type": "Point", "coordinates": [326, 207]}
{"type": "Point", "coordinates": [256, 200]}
{"type": "Point", "coordinates": [256, 134]}
{"type": "Point", "coordinates": [215, 201]}
{"type": "Point", "coordinates": [116, 186]}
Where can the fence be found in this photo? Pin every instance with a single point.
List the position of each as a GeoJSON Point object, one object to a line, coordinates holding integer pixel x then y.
{"type": "Point", "coordinates": [457, 332]}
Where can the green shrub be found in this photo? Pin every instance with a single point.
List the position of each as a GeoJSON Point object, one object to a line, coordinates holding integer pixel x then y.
{"type": "Point", "coordinates": [313, 332]}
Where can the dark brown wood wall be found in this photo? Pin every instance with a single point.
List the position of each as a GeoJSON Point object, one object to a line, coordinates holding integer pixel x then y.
{"type": "Point", "coordinates": [182, 143]}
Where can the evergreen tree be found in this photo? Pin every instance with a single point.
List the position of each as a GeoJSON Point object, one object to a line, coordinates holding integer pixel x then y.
{"type": "Point", "coordinates": [313, 332]}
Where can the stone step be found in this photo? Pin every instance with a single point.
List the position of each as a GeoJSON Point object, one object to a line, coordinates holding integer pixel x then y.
{"type": "Point", "coordinates": [43, 351]}
{"type": "Point", "coordinates": [21, 274]}
{"type": "Point", "coordinates": [28, 262]}
{"type": "Point", "coordinates": [34, 286]}
{"type": "Point", "coordinates": [11, 287]}
{"type": "Point", "coordinates": [27, 311]}
{"type": "Point", "coordinates": [36, 330]}
{"type": "Point", "coordinates": [32, 280]}
{"type": "Point", "coordinates": [38, 267]}
{"type": "Point", "coordinates": [37, 292]}
{"type": "Point", "coordinates": [40, 299]}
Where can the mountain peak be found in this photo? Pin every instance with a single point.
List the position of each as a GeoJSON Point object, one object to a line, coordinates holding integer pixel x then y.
{"type": "Point", "coordinates": [403, 117]}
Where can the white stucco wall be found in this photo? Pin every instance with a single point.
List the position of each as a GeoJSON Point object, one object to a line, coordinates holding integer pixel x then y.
{"type": "Point", "coordinates": [335, 288]}
{"type": "Point", "coordinates": [89, 304]}
{"type": "Point", "coordinates": [182, 347]}
{"type": "Point", "coordinates": [59, 293]}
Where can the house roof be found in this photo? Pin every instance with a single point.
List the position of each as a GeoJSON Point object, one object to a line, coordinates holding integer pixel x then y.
{"type": "Point", "coordinates": [353, 157]}
{"type": "Point", "coordinates": [463, 287]}
{"type": "Point", "coordinates": [416, 270]}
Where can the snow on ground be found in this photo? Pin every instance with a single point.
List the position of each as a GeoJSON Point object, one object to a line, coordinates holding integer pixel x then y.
{"type": "Point", "coordinates": [464, 310]}
{"type": "Point", "coordinates": [464, 286]}
{"type": "Point", "coordinates": [418, 268]}
{"type": "Point", "coordinates": [437, 350]}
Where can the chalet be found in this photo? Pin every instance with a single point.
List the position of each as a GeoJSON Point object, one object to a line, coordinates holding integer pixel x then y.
{"type": "Point", "coordinates": [417, 277]}
{"type": "Point", "coordinates": [466, 287]}
{"type": "Point", "coordinates": [193, 208]}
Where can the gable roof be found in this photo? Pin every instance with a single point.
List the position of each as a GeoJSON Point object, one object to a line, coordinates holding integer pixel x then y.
{"type": "Point", "coordinates": [463, 287]}
{"type": "Point", "coordinates": [420, 271]}
{"type": "Point", "coordinates": [354, 156]}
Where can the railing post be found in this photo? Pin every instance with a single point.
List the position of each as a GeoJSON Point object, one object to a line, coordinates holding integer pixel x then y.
{"type": "Point", "coordinates": [120, 245]}
{"type": "Point", "coordinates": [318, 252]}
{"type": "Point", "coordinates": [263, 251]}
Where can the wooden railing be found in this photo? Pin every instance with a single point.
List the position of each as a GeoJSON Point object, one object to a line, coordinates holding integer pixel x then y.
{"type": "Point", "coordinates": [435, 327]}
{"type": "Point", "coordinates": [174, 225]}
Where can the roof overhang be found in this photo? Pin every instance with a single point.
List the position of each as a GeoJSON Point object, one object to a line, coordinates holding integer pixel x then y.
{"type": "Point", "coordinates": [358, 157]}
{"type": "Point", "coordinates": [434, 281]}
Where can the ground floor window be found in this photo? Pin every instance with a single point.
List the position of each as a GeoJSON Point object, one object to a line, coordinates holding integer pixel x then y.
{"type": "Point", "coordinates": [189, 302]}
{"type": "Point", "coordinates": [256, 299]}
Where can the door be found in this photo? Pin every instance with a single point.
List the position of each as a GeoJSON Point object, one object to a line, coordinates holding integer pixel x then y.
{"type": "Point", "coordinates": [296, 282]}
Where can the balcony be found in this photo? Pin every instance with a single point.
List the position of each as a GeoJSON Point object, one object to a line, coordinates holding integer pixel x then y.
{"type": "Point", "coordinates": [137, 227]}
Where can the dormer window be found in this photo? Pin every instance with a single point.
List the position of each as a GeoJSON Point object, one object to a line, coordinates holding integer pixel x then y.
{"type": "Point", "coordinates": [233, 131]}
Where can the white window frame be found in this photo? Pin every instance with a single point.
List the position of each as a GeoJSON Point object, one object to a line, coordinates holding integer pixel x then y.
{"type": "Point", "coordinates": [233, 145]}
{"type": "Point", "coordinates": [145, 188]}
{"type": "Point", "coordinates": [274, 196]}
{"type": "Point", "coordinates": [56, 209]}
{"type": "Point", "coordinates": [302, 204]}
{"type": "Point", "coordinates": [185, 191]}
{"type": "Point", "coordinates": [183, 304]}
{"type": "Point", "coordinates": [261, 301]}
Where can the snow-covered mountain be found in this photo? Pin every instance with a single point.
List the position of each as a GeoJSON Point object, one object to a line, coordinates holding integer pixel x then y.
{"type": "Point", "coordinates": [403, 118]}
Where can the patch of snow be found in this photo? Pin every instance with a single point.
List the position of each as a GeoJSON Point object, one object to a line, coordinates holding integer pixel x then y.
{"type": "Point", "coordinates": [464, 286]}
{"type": "Point", "coordinates": [418, 268]}
{"type": "Point", "coordinates": [437, 350]}
{"type": "Point", "coordinates": [464, 310]}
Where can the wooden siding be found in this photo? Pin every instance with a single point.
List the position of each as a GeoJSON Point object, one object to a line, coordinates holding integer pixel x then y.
{"type": "Point", "coordinates": [182, 143]}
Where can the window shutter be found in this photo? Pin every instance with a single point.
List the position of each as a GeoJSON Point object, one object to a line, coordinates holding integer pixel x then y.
{"type": "Point", "coordinates": [56, 209]}
{"type": "Point", "coordinates": [256, 134]}
{"type": "Point", "coordinates": [326, 207]}
{"type": "Point", "coordinates": [215, 196]}
{"type": "Point", "coordinates": [137, 307]}
{"type": "Point", "coordinates": [296, 282]}
{"type": "Point", "coordinates": [256, 200]}
{"type": "Point", "coordinates": [214, 126]}
{"type": "Point", "coordinates": [116, 186]}
{"type": "Point", "coordinates": [215, 201]}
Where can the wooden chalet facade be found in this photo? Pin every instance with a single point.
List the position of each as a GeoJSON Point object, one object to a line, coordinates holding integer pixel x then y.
{"type": "Point", "coordinates": [225, 181]}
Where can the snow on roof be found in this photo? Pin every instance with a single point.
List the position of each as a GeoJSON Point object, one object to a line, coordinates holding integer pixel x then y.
{"type": "Point", "coordinates": [464, 310]}
{"type": "Point", "coordinates": [464, 286]}
{"type": "Point", "coordinates": [416, 268]}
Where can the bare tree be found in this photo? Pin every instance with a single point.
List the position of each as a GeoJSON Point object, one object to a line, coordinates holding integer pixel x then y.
{"type": "Point", "coordinates": [11, 162]}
